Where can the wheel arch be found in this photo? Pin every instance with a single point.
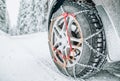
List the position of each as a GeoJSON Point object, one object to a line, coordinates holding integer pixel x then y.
{"type": "Point", "coordinates": [55, 4]}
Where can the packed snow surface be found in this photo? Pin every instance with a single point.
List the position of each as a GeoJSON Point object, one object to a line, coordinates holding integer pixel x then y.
{"type": "Point", "coordinates": [27, 58]}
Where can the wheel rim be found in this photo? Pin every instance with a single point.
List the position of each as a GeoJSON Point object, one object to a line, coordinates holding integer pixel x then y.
{"type": "Point", "coordinates": [60, 43]}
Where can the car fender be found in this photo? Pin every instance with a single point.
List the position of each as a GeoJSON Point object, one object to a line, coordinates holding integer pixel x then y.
{"type": "Point", "coordinates": [112, 35]}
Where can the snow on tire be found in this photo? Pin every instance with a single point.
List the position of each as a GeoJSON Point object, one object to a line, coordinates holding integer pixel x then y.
{"type": "Point", "coordinates": [77, 40]}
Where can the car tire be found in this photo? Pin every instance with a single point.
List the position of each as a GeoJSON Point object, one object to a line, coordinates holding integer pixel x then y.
{"type": "Point", "coordinates": [92, 55]}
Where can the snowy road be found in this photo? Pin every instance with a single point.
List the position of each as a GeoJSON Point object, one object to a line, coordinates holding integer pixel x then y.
{"type": "Point", "coordinates": [27, 58]}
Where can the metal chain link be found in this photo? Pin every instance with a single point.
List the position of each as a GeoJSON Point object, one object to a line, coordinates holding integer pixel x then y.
{"type": "Point", "coordinates": [94, 49]}
{"type": "Point", "coordinates": [94, 34]}
{"type": "Point", "coordinates": [88, 66]}
{"type": "Point", "coordinates": [76, 13]}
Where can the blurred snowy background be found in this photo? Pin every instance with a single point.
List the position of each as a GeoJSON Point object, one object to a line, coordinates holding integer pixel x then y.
{"type": "Point", "coordinates": [25, 55]}
{"type": "Point", "coordinates": [19, 17]}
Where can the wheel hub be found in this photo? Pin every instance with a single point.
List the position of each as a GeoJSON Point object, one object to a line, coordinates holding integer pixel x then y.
{"type": "Point", "coordinates": [63, 42]}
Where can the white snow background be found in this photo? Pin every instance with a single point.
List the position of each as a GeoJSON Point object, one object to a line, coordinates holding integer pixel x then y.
{"type": "Point", "coordinates": [27, 58]}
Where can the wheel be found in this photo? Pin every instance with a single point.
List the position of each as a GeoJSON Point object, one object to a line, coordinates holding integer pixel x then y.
{"type": "Point", "coordinates": [77, 40]}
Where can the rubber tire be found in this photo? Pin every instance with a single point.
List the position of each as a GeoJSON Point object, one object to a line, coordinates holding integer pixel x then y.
{"type": "Point", "coordinates": [90, 23]}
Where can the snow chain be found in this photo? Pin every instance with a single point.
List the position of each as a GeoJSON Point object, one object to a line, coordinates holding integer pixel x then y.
{"type": "Point", "coordinates": [65, 15]}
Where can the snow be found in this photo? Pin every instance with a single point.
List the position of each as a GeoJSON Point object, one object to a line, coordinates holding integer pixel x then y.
{"type": "Point", "coordinates": [13, 10]}
{"type": "Point", "coordinates": [27, 58]}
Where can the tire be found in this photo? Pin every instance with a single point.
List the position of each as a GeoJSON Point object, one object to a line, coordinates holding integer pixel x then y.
{"type": "Point", "coordinates": [89, 55]}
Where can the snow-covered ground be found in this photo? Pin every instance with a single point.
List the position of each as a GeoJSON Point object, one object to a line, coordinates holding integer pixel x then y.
{"type": "Point", "coordinates": [27, 58]}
